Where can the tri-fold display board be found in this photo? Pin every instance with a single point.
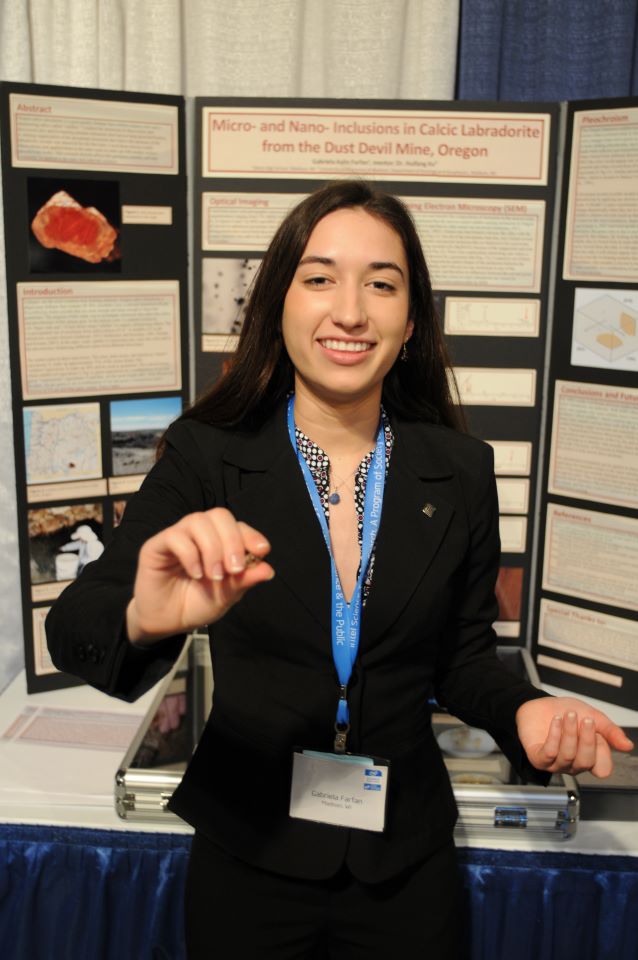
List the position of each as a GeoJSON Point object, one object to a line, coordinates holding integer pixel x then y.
{"type": "Point", "coordinates": [479, 180]}
{"type": "Point", "coordinates": [488, 185]}
{"type": "Point", "coordinates": [94, 187]}
{"type": "Point", "coordinates": [585, 624]}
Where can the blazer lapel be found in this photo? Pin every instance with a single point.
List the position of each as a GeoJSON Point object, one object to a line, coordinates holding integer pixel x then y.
{"type": "Point", "coordinates": [414, 522]}
{"type": "Point", "coordinates": [272, 497]}
{"type": "Point", "coordinates": [266, 489]}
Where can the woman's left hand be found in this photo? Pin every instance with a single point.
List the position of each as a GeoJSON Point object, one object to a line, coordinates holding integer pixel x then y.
{"type": "Point", "coordinates": [565, 735]}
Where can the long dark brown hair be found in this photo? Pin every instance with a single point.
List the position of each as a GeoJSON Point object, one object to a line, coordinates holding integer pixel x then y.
{"type": "Point", "coordinates": [261, 373]}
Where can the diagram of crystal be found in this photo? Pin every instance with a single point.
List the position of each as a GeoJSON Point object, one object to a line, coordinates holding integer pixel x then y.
{"type": "Point", "coordinates": [608, 327]}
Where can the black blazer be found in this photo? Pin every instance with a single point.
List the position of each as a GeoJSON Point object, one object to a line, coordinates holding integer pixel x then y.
{"type": "Point", "coordinates": [426, 627]}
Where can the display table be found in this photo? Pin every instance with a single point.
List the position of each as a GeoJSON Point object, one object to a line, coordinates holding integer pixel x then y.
{"type": "Point", "coordinates": [73, 893]}
{"type": "Point", "coordinates": [76, 882]}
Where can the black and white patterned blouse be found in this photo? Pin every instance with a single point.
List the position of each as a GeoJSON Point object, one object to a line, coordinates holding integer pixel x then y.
{"type": "Point", "coordinates": [319, 466]}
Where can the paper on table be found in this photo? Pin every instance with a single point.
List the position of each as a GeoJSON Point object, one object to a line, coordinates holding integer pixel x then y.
{"type": "Point", "coordinates": [60, 774]}
{"type": "Point", "coordinates": [63, 727]}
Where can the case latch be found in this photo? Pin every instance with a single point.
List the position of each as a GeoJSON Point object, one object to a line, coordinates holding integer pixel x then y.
{"type": "Point", "coordinates": [510, 817]}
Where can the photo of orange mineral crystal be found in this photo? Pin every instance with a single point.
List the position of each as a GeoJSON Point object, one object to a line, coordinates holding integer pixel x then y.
{"type": "Point", "coordinates": [64, 224]}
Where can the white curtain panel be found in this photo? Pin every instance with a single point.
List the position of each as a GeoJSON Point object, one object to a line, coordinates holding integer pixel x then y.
{"type": "Point", "coordinates": [387, 49]}
{"type": "Point", "coordinates": [321, 48]}
{"type": "Point", "coordinates": [307, 48]}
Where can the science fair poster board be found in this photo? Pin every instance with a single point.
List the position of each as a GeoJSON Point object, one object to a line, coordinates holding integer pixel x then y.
{"type": "Point", "coordinates": [94, 188]}
{"type": "Point", "coordinates": [585, 623]}
{"type": "Point", "coordinates": [479, 180]}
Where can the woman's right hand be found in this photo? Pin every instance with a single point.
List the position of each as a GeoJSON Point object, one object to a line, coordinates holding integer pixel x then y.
{"type": "Point", "coordinates": [191, 573]}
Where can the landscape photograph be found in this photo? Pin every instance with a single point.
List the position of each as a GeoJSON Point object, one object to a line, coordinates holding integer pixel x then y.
{"type": "Point", "coordinates": [136, 427]}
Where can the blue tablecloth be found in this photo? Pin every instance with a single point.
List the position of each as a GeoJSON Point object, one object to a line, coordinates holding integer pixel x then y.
{"type": "Point", "coordinates": [78, 894]}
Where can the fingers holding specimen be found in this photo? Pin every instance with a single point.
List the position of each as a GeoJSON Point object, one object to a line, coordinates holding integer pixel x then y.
{"type": "Point", "coordinates": [209, 544]}
{"type": "Point", "coordinates": [182, 578]}
{"type": "Point", "coordinates": [237, 540]}
{"type": "Point", "coordinates": [255, 542]}
{"type": "Point", "coordinates": [173, 547]}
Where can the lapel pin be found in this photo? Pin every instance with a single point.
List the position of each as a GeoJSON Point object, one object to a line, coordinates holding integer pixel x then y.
{"type": "Point", "coordinates": [429, 510]}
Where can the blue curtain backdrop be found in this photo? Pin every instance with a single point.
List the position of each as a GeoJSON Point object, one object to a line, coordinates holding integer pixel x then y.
{"type": "Point", "coordinates": [547, 49]}
{"type": "Point", "coordinates": [77, 894]}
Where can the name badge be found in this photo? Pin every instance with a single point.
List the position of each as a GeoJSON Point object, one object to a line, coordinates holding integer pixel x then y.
{"type": "Point", "coordinates": [344, 790]}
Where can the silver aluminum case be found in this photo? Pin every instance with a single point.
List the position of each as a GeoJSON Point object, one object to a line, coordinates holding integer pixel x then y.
{"type": "Point", "coordinates": [142, 793]}
{"type": "Point", "coordinates": [485, 810]}
{"type": "Point", "coordinates": [543, 813]}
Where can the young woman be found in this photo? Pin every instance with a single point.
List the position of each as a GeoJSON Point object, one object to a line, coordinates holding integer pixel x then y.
{"type": "Point", "coordinates": [323, 511]}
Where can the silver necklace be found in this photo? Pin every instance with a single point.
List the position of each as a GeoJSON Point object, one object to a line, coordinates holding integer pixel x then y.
{"type": "Point", "coordinates": [334, 497]}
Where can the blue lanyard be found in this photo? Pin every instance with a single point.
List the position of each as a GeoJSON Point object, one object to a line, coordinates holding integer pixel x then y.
{"type": "Point", "coordinates": [346, 617]}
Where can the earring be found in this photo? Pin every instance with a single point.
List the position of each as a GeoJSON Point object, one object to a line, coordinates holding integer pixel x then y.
{"type": "Point", "coordinates": [404, 351]}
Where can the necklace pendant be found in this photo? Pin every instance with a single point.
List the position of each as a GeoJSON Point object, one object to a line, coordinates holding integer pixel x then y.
{"type": "Point", "coordinates": [334, 498]}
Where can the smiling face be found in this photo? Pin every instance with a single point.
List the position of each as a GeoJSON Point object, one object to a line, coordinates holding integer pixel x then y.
{"type": "Point", "coordinates": [345, 315]}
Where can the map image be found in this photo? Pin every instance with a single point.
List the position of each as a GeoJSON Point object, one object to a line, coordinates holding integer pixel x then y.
{"type": "Point", "coordinates": [62, 442]}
